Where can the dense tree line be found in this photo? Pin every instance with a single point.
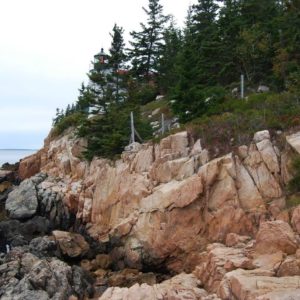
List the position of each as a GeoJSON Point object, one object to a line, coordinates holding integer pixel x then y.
{"type": "Point", "coordinates": [195, 66]}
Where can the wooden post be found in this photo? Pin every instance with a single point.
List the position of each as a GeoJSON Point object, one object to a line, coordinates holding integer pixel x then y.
{"type": "Point", "coordinates": [242, 86]}
{"type": "Point", "coordinates": [162, 123]}
{"type": "Point", "coordinates": [132, 127]}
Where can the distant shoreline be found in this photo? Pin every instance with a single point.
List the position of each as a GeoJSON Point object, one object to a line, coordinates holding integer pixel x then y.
{"type": "Point", "coordinates": [18, 149]}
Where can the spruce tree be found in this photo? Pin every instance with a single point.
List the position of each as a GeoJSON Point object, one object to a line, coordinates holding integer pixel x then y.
{"type": "Point", "coordinates": [207, 44]}
{"type": "Point", "coordinates": [117, 58]}
{"type": "Point", "coordinates": [172, 43]}
{"type": "Point", "coordinates": [146, 44]}
{"type": "Point", "coordinates": [229, 26]}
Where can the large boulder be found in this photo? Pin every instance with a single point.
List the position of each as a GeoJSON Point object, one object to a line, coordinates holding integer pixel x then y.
{"type": "Point", "coordinates": [22, 203]}
{"type": "Point", "coordinates": [183, 286]}
{"type": "Point", "coordinates": [71, 244]}
{"type": "Point", "coordinates": [294, 141]}
{"type": "Point", "coordinates": [217, 261]}
{"type": "Point", "coordinates": [275, 236]}
{"type": "Point", "coordinates": [258, 285]}
{"type": "Point", "coordinates": [30, 166]}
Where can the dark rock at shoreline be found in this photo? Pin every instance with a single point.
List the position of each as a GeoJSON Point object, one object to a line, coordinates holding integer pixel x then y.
{"type": "Point", "coordinates": [16, 233]}
{"type": "Point", "coordinates": [26, 276]}
{"type": "Point", "coordinates": [10, 167]}
{"type": "Point", "coordinates": [22, 203]}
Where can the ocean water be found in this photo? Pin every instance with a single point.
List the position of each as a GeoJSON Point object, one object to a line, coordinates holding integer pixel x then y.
{"type": "Point", "coordinates": [13, 155]}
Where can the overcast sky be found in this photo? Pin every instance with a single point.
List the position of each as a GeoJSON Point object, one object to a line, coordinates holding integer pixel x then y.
{"type": "Point", "coordinates": [45, 51]}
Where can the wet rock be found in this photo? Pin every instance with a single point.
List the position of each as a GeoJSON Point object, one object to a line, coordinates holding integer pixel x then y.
{"type": "Point", "coordinates": [43, 247]}
{"type": "Point", "coordinates": [71, 244]}
{"type": "Point", "coordinates": [23, 275]}
{"type": "Point", "coordinates": [103, 261]}
{"type": "Point", "coordinates": [82, 282]}
{"type": "Point", "coordinates": [17, 233]}
{"type": "Point", "coordinates": [22, 203]}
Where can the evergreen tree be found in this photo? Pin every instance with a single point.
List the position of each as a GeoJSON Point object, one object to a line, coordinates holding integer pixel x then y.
{"type": "Point", "coordinates": [259, 34]}
{"type": "Point", "coordinates": [117, 58]}
{"type": "Point", "coordinates": [85, 99]}
{"type": "Point", "coordinates": [287, 60]}
{"type": "Point", "coordinates": [117, 54]}
{"type": "Point", "coordinates": [147, 43]}
{"type": "Point", "coordinates": [207, 43]}
{"type": "Point", "coordinates": [198, 63]}
{"type": "Point", "coordinates": [172, 42]}
{"type": "Point", "coordinates": [229, 26]}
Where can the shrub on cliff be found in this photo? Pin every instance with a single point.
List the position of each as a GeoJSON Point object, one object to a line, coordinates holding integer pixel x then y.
{"type": "Point", "coordinates": [235, 121]}
{"type": "Point", "coordinates": [72, 120]}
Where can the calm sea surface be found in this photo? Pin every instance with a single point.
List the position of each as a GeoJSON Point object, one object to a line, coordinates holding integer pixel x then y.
{"type": "Point", "coordinates": [13, 156]}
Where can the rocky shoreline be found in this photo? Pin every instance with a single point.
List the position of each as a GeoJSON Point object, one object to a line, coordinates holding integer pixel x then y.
{"type": "Point", "coordinates": [164, 222]}
{"type": "Point", "coordinates": [40, 257]}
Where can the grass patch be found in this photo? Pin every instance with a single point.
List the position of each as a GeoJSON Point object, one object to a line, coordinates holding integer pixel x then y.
{"type": "Point", "coordinates": [162, 105]}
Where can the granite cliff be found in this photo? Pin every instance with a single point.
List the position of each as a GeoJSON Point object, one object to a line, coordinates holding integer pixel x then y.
{"type": "Point", "coordinates": [221, 226]}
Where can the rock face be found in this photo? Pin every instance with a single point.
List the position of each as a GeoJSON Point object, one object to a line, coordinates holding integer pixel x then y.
{"type": "Point", "coordinates": [30, 166]}
{"type": "Point", "coordinates": [168, 207]}
{"type": "Point", "coordinates": [165, 202]}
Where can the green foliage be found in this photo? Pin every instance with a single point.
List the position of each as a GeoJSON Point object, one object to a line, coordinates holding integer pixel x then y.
{"type": "Point", "coordinates": [146, 44]}
{"type": "Point", "coordinates": [72, 120]}
{"type": "Point", "coordinates": [293, 201]}
{"type": "Point", "coordinates": [116, 51]}
{"type": "Point", "coordinates": [198, 101]}
{"type": "Point", "coordinates": [196, 66]}
{"type": "Point", "coordinates": [172, 44]}
{"type": "Point", "coordinates": [109, 134]}
{"type": "Point", "coordinates": [144, 93]}
{"type": "Point", "coordinates": [235, 121]}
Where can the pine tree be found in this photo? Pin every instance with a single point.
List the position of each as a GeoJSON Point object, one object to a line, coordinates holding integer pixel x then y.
{"type": "Point", "coordinates": [229, 26]}
{"type": "Point", "coordinates": [207, 43]}
{"type": "Point", "coordinates": [147, 43]}
{"type": "Point", "coordinates": [258, 35]}
{"type": "Point", "coordinates": [85, 99]}
{"type": "Point", "coordinates": [287, 60]}
{"type": "Point", "coordinates": [117, 58]}
{"type": "Point", "coordinates": [172, 43]}
{"type": "Point", "coordinates": [116, 51]}
{"type": "Point", "coordinates": [198, 63]}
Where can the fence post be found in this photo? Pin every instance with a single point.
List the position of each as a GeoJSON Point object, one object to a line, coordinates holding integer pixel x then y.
{"type": "Point", "coordinates": [132, 127]}
{"type": "Point", "coordinates": [242, 86]}
{"type": "Point", "coordinates": [162, 123]}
